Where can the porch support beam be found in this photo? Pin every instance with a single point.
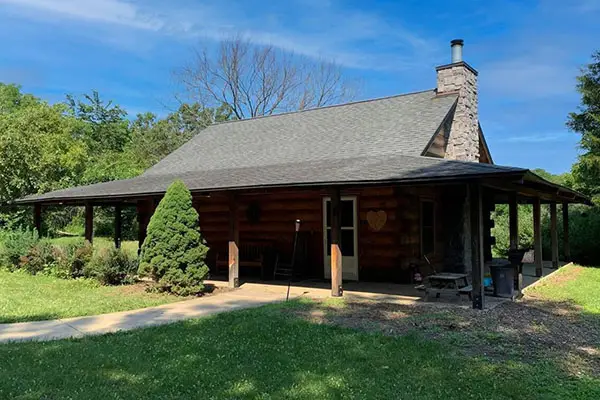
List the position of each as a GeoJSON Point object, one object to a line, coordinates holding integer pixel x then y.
{"type": "Point", "coordinates": [478, 255]}
{"type": "Point", "coordinates": [234, 238]}
{"type": "Point", "coordinates": [554, 235]}
{"type": "Point", "coordinates": [336, 252]}
{"type": "Point", "coordinates": [37, 218]}
{"type": "Point", "coordinates": [566, 245]}
{"type": "Point", "coordinates": [118, 225]}
{"type": "Point", "coordinates": [537, 237]}
{"type": "Point", "coordinates": [513, 215]}
{"type": "Point", "coordinates": [142, 218]}
{"type": "Point", "coordinates": [89, 222]}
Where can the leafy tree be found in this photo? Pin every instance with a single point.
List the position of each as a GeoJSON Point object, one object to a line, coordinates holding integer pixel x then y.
{"type": "Point", "coordinates": [39, 151]}
{"type": "Point", "coordinates": [153, 138]}
{"type": "Point", "coordinates": [11, 98]}
{"type": "Point", "coordinates": [173, 252]}
{"type": "Point", "coordinates": [587, 123]}
{"type": "Point", "coordinates": [106, 127]}
{"type": "Point", "coordinates": [565, 179]}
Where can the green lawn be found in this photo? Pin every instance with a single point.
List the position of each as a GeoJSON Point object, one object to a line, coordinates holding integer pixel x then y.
{"type": "Point", "coordinates": [268, 354]}
{"type": "Point", "coordinates": [273, 352]}
{"type": "Point", "coordinates": [24, 297]}
{"type": "Point", "coordinates": [575, 284]}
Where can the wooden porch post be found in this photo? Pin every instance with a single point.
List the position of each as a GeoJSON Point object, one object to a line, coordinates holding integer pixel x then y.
{"type": "Point", "coordinates": [513, 215]}
{"type": "Point", "coordinates": [89, 222]}
{"type": "Point", "coordinates": [554, 235]}
{"type": "Point", "coordinates": [37, 218]}
{"type": "Point", "coordinates": [478, 258]}
{"type": "Point", "coordinates": [118, 225]}
{"type": "Point", "coordinates": [336, 252]}
{"type": "Point", "coordinates": [141, 208]}
{"type": "Point", "coordinates": [537, 237]}
{"type": "Point", "coordinates": [566, 246]}
{"type": "Point", "coordinates": [234, 238]}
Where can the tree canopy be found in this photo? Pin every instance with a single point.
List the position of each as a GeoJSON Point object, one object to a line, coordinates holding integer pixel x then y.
{"type": "Point", "coordinates": [586, 122]}
{"type": "Point", "coordinates": [83, 140]}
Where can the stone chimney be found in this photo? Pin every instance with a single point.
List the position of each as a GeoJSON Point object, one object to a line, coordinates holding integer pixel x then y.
{"type": "Point", "coordinates": [460, 78]}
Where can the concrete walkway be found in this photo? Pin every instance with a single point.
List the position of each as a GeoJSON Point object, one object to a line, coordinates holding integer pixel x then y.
{"type": "Point", "coordinates": [247, 296]}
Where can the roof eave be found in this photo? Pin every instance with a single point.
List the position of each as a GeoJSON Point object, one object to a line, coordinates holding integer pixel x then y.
{"type": "Point", "coordinates": [518, 174]}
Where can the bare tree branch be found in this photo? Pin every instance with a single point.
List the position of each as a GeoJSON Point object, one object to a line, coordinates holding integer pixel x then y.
{"type": "Point", "coordinates": [254, 80]}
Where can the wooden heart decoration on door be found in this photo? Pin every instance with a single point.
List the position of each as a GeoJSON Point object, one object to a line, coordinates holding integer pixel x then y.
{"type": "Point", "coordinates": [376, 219]}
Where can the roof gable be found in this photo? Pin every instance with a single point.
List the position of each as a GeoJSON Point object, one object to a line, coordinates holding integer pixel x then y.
{"type": "Point", "coordinates": [393, 125]}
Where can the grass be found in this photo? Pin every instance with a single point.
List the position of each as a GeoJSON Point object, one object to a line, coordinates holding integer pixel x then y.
{"type": "Point", "coordinates": [31, 298]}
{"type": "Point", "coordinates": [574, 284]}
{"type": "Point", "coordinates": [266, 353]}
{"type": "Point", "coordinates": [130, 246]}
{"type": "Point", "coordinates": [272, 353]}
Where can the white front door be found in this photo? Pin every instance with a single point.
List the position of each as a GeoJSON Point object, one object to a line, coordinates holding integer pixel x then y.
{"type": "Point", "coordinates": [348, 240]}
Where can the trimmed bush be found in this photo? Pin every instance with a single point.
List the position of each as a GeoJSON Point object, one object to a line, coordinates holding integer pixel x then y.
{"type": "Point", "coordinates": [111, 267]}
{"type": "Point", "coordinates": [173, 253]}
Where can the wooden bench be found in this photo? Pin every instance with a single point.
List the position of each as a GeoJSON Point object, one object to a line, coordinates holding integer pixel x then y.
{"type": "Point", "coordinates": [251, 255]}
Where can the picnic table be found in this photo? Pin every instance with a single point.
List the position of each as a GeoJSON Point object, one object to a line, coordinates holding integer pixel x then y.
{"type": "Point", "coordinates": [448, 282]}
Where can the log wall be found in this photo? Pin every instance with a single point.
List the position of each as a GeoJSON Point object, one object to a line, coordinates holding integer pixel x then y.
{"type": "Point", "coordinates": [383, 255]}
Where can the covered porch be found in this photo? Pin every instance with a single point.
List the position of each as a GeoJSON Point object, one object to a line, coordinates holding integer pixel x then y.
{"type": "Point", "coordinates": [369, 219]}
{"type": "Point", "coordinates": [372, 291]}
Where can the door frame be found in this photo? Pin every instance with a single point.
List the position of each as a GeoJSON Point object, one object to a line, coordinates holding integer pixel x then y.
{"type": "Point", "coordinates": [327, 265]}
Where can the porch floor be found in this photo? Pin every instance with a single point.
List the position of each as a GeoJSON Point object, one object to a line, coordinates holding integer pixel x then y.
{"type": "Point", "coordinates": [374, 291]}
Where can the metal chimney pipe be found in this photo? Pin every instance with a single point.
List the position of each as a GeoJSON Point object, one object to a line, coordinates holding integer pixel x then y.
{"type": "Point", "coordinates": [457, 47]}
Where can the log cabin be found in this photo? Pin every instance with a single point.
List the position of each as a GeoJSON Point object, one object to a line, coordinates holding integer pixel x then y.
{"type": "Point", "coordinates": [374, 188]}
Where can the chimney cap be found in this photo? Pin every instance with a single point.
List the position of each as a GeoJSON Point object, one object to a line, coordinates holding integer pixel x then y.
{"type": "Point", "coordinates": [457, 47]}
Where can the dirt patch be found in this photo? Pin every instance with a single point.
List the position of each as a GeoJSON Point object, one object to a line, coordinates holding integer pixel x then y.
{"type": "Point", "coordinates": [528, 330]}
{"type": "Point", "coordinates": [136, 288]}
{"type": "Point", "coordinates": [564, 277]}
{"type": "Point", "coordinates": [144, 286]}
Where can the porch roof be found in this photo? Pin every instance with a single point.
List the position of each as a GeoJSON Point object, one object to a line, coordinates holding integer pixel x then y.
{"type": "Point", "coordinates": [397, 169]}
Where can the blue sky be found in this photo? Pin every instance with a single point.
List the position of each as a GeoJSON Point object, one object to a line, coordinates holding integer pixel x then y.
{"type": "Point", "coordinates": [528, 53]}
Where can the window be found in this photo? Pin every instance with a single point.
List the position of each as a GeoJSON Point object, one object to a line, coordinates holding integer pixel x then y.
{"type": "Point", "coordinates": [427, 227]}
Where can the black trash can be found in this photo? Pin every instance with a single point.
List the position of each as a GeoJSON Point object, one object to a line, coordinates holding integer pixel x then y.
{"type": "Point", "coordinates": [503, 277]}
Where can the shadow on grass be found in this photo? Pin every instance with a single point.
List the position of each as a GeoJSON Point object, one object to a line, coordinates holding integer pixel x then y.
{"type": "Point", "coordinates": [270, 353]}
{"type": "Point", "coordinates": [9, 319]}
{"type": "Point", "coordinates": [531, 332]}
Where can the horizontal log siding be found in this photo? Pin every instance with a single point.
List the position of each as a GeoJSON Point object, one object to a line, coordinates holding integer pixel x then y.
{"type": "Point", "coordinates": [278, 213]}
{"type": "Point", "coordinates": [384, 255]}
{"type": "Point", "coordinates": [387, 254]}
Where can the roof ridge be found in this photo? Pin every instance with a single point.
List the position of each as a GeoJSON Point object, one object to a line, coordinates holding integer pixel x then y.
{"type": "Point", "coordinates": [321, 108]}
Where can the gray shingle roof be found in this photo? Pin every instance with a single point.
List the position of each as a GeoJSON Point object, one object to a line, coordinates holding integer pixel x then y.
{"type": "Point", "coordinates": [393, 125]}
{"type": "Point", "coordinates": [365, 169]}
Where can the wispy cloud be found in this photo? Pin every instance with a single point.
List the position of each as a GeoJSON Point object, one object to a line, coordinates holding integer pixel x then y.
{"type": "Point", "coordinates": [539, 138]}
{"type": "Point", "coordinates": [530, 77]}
{"type": "Point", "coordinates": [586, 6]}
{"type": "Point", "coordinates": [320, 29]}
{"type": "Point", "coordinates": [101, 11]}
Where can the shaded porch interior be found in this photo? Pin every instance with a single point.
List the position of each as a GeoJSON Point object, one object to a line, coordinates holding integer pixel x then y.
{"type": "Point", "coordinates": [373, 291]}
